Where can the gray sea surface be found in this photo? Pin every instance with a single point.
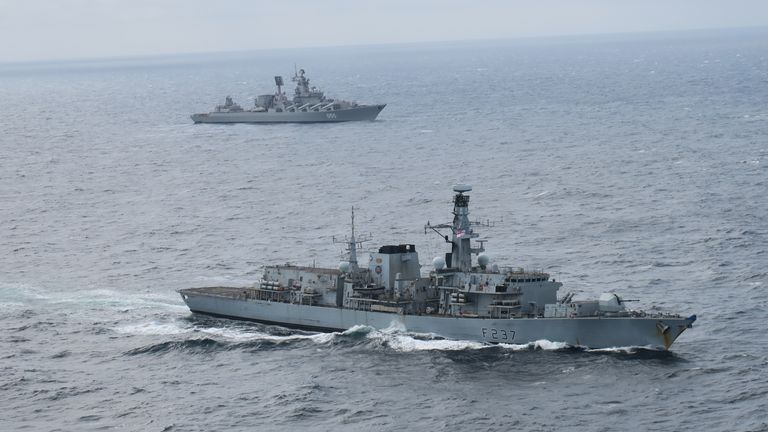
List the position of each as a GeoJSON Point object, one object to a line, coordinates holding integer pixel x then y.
{"type": "Point", "coordinates": [635, 164]}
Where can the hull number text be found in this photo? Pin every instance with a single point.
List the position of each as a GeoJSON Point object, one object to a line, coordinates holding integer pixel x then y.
{"type": "Point", "coordinates": [498, 334]}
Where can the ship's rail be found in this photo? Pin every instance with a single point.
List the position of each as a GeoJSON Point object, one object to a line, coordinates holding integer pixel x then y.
{"type": "Point", "coordinates": [316, 270]}
{"type": "Point", "coordinates": [249, 294]}
{"type": "Point", "coordinates": [484, 290]}
{"type": "Point", "coordinates": [521, 273]}
{"type": "Point", "coordinates": [218, 291]}
{"type": "Point", "coordinates": [517, 274]}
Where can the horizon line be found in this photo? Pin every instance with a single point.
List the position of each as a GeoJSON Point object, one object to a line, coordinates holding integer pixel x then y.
{"type": "Point", "coordinates": [553, 37]}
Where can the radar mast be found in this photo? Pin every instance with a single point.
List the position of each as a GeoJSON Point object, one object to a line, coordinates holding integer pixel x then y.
{"type": "Point", "coordinates": [353, 243]}
{"type": "Point", "coordinates": [460, 256]}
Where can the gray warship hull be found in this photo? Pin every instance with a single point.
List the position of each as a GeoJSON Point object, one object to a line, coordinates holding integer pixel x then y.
{"type": "Point", "coordinates": [464, 297]}
{"type": "Point", "coordinates": [656, 332]}
{"type": "Point", "coordinates": [358, 113]}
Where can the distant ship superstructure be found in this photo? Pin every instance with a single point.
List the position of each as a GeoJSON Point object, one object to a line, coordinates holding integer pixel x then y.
{"type": "Point", "coordinates": [462, 297]}
{"type": "Point", "coordinates": [308, 105]}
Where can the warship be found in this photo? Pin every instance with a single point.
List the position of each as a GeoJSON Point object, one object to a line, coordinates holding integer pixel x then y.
{"type": "Point", "coordinates": [462, 297]}
{"type": "Point", "coordinates": [308, 105]}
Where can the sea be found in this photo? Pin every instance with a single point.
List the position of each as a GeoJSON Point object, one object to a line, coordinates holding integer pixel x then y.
{"type": "Point", "coordinates": [634, 164]}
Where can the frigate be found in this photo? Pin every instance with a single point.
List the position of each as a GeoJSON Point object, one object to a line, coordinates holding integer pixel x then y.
{"type": "Point", "coordinates": [463, 297]}
{"type": "Point", "coordinates": [308, 105]}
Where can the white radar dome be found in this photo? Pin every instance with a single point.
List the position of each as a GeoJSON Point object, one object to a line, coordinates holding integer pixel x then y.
{"type": "Point", "coordinates": [438, 263]}
{"type": "Point", "coordinates": [483, 260]}
{"type": "Point", "coordinates": [344, 267]}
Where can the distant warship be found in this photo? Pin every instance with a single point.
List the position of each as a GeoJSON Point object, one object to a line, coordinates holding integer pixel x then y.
{"type": "Point", "coordinates": [308, 105]}
{"type": "Point", "coordinates": [463, 297]}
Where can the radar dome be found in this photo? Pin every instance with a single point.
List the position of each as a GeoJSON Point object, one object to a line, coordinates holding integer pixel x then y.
{"type": "Point", "coordinates": [483, 260]}
{"type": "Point", "coordinates": [344, 267]}
{"type": "Point", "coordinates": [438, 263]}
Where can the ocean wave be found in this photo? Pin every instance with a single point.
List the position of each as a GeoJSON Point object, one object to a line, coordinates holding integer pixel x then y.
{"type": "Point", "coordinates": [199, 346]}
{"type": "Point", "coordinates": [541, 344]}
{"type": "Point", "coordinates": [406, 343]}
{"type": "Point", "coordinates": [12, 295]}
{"type": "Point", "coordinates": [193, 338]}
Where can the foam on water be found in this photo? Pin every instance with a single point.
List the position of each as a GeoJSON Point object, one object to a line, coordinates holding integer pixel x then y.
{"type": "Point", "coordinates": [225, 333]}
{"type": "Point", "coordinates": [394, 337]}
{"type": "Point", "coordinates": [623, 350]}
{"type": "Point", "coordinates": [541, 344]}
{"type": "Point", "coordinates": [153, 329]}
{"type": "Point", "coordinates": [358, 329]}
{"type": "Point", "coordinates": [19, 294]}
{"type": "Point", "coordinates": [406, 343]}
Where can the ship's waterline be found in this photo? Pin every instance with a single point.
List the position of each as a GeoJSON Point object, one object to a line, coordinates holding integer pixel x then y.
{"type": "Point", "coordinates": [359, 113]}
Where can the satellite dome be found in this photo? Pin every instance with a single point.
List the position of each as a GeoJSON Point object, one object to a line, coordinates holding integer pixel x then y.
{"type": "Point", "coordinates": [344, 267]}
{"type": "Point", "coordinates": [438, 263]}
{"type": "Point", "coordinates": [483, 260]}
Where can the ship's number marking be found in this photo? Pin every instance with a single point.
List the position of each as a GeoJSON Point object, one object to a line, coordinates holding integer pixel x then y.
{"type": "Point", "coordinates": [498, 334]}
{"type": "Point", "coordinates": [331, 115]}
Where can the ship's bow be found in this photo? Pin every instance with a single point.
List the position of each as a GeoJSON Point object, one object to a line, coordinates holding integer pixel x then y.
{"type": "Point", "coordinates": [669, 330]}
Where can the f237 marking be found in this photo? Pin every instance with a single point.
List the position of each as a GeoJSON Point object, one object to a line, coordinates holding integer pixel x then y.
{"type": "Point", "coordinates": [498, 334]}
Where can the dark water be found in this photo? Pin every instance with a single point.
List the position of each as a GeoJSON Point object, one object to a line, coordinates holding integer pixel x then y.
{"type": "Point", "coordinates": [633, 164]}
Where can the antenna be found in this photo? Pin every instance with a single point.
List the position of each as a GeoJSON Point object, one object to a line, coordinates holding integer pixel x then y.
{"type": "Point", "coordinates": [353, 243]}
{"type": "Point", "coordinates": [279, 83]}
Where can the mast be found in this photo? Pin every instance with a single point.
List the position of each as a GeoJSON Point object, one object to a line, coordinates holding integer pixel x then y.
{"type": "Point", "coordinates": [279, 99]}
{"type": "Point", "coordinates": [353, 245]}
{"type": "Point", "coordinates": [461, 249]}
{"type": "Point", "coordinates": [460, 257]}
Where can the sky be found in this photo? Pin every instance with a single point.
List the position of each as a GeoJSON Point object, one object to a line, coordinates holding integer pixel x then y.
{"type": "Point", "coordinates": [34, 30]}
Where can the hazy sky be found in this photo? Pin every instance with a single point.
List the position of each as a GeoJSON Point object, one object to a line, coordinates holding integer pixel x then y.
{"type": "Point", "coordinates": [65, 29]}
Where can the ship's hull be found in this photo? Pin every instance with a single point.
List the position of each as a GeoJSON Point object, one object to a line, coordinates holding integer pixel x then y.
{"type": "Point", "coordinates": [592, 332]}
{"type": "Point", "coordinates": [359, 113]}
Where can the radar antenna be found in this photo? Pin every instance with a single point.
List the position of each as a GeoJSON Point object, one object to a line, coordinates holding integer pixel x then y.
{"type": "Point", "coordinates": [353, 243]}
{"type": "Point", "coordinates": [279, 84]}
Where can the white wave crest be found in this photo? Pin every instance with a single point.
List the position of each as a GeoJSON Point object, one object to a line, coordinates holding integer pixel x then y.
{"type": "Point", "coordinates": [395, 337]}
{"type": "Point", "coordinates": [20, 294]}
{"type": "Point", "coordinates": [357, 329]}
{"type": "Point", "coordinates": [622, 350]}
{"type": "Point", "coordinates": [152, 329]}
{"type": "Point", "coordinates": [405, 343]}
{"type": "Point", "coordinates": [542, 344]}
{"type": "Point", "coordinates": [230, 334]}
{"type": "Point", "coordinates": [239, 335]}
